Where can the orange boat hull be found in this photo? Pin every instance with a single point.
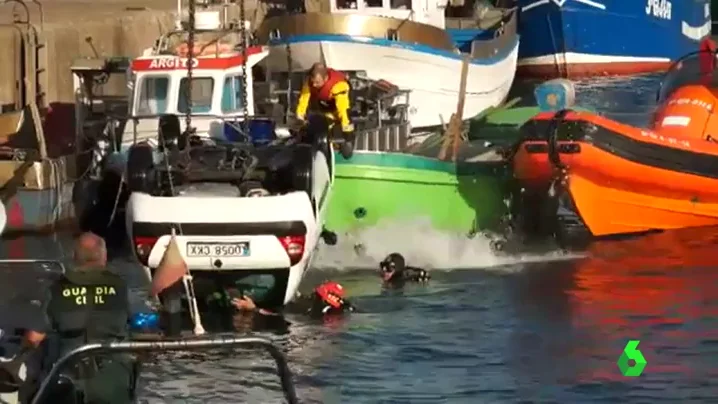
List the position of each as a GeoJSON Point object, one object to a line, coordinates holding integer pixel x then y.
{"type": "Point", "coordinates": [618, 178]}
{"type": "Point", "coordinates": [610, 210]}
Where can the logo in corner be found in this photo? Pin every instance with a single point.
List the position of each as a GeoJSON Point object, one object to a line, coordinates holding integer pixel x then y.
{"type": "Point", "coordinates": [631, 352]}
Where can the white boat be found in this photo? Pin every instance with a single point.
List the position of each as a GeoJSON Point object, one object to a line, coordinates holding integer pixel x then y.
{"type": "Point", "coordinates": [240, 209]}
{"type": "Point", "coordinates": [406, 43]}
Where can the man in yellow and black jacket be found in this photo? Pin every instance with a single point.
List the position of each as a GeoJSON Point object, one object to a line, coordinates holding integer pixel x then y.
{"type": "Point", "coordinates": [327, 90]}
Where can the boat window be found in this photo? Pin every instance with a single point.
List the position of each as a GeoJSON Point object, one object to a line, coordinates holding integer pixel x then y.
{"type": "Point", "coordinates": [347, 4]}
{"type": "Point", "coordinates": [232, 94]}
{"type": "Point", "coordinates": [374, 3]}
{"type": "Point", "coordinates": [201, 95]}
{"type": "Point", "coordinates": [401, 4]}
{"type": "Point", "coordinates": [153, 96]}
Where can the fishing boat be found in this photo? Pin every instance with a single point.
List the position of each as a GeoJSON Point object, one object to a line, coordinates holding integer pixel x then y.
{"type": "Point", "coordinates": [405, 43]}
{"type": "Point", "coordinates": [604, 178]}
{"type": "Point", "coordinates": [38, 165]}
{"type": "Point", "coordinates": [574, 38]}
{"type": "Point", "coordinates": [25, 287]}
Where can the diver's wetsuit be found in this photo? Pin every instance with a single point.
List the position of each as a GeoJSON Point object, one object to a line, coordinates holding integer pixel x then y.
{"type": "Point", "coordinates": [408, 274]}
{"type": "Point", "coordinates": [396, 273]}
{"type": "Point", "coordinates": [269, 319]}
{"type": "Point", "coordinates": [314, 307]}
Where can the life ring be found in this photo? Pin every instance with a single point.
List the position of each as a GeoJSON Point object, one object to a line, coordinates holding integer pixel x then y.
{"type": "Point", "coordinates": [3, 218]}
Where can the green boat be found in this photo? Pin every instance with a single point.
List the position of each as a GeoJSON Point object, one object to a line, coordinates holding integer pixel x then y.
{"type": "Point", "coordinates": [389, 179]}
{"type": "Point", "coordinates": [411, 183]}
{"type": "Point", "coordinates": [374, 187]}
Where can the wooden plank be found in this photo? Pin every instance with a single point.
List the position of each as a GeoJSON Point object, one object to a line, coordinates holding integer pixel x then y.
{"type": "Point", "coordinates": [453, 132]}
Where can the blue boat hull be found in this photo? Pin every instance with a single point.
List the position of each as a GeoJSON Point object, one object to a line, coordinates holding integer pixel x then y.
{"type": "Point", "coordinates": [574, 38]}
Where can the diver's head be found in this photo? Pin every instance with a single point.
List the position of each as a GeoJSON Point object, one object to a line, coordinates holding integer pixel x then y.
{"type": "Point", "coordinates": [318, 75]}
{"type": "Point", "coordinates": [393, 265]}
{"type": "Point", "coordinates": [330, 293]}
{"type": "Point", "coordinates": [90, 251]}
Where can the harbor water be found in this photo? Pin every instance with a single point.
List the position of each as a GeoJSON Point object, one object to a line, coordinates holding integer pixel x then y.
{"type": "Point", "coordinates": [540, 328]}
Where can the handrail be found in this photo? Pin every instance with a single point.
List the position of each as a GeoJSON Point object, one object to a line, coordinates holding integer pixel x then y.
{"type": "Point", "coordinates": [283, 371]}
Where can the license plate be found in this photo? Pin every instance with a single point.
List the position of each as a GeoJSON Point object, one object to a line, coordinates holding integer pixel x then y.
{"type": "Point", "coordinates": [218, 249]}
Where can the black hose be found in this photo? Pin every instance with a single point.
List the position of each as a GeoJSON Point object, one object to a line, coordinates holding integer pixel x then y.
{"type": "Point", "coordinates": [552, 138]}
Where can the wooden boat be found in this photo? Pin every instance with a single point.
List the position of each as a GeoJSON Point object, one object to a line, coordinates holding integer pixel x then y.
{"type": "Point", "coordinates": [618, 179]}
{"type": "Point", "coordinates": [408, 43]}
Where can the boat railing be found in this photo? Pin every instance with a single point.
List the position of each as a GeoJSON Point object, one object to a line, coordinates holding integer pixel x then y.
{"type": "Point", "coordinates": [283, 371]}
{"type": "Point", "coordinates": [387, 138]}
{"type": "Point", "coordinates": [234, 121]}
{"type": "Point", "coordinates": [53, 266]}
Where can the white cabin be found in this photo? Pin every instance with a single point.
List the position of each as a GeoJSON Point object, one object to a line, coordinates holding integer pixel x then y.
{"type": "Point", "coordinates": [160, 85]}
{"type": "Point", "coordinates": [430, 12]}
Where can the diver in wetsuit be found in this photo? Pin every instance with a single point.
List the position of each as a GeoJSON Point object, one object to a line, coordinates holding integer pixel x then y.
{"type": "Point", "coordinates": [395, 273]}
{"type": "Point", "coordinates": [327, 299]}
{"type": "Point", "coordinates": [88, 304]}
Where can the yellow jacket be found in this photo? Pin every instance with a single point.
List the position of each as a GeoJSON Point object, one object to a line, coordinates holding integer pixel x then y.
{"type": "Point", "coordinates": [333, 98]}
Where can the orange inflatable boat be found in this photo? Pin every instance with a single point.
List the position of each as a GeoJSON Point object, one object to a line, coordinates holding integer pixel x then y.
{"type": "Point", "coordinates": [618, 179]}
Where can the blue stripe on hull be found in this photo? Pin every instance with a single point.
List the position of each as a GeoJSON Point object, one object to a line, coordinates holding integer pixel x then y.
{"type": "Point", "coordinates": [622, 29]}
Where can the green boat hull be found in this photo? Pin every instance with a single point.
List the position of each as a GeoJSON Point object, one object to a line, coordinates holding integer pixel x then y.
{"type": "Point", "coordinates": [376, 187]}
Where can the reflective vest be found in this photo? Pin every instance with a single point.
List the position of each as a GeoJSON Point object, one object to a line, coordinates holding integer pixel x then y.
{"type": "Point", "coordinates": [324, 96]}
{"type": "Point", "coordinates": [88, 306]}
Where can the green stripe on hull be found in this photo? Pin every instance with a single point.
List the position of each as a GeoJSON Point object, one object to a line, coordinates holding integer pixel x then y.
{"type": "Point", "coordinates": [374, 187]}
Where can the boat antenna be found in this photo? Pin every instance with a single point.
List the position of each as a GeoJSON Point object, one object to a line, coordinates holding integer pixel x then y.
{"type": "Point", "coordinates": [243, 33]}
{"type": "Point", "coordinates": [190, 65]}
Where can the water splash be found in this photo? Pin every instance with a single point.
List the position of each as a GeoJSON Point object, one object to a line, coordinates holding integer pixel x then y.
{"type": "Point", "coordinates": [421, 245]}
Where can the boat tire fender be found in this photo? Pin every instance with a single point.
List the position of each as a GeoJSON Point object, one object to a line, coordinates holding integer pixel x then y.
{"type": "Point", "coordinates": [552, 138]}
{"type": "Point", "coordinates": [303, 163]}
{"type": "Point", "coordinates": [140, 168]}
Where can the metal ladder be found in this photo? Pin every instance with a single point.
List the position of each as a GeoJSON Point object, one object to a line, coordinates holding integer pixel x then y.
{"type": "Point", "coordinates": [31, 57]}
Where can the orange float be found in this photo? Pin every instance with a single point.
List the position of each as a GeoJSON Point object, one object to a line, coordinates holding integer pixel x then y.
{"type": "Point", "coordinates": [619, 179]}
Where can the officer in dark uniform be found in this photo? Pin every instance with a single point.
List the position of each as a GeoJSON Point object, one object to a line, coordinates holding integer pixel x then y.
{"type": "Point", "coordinates": [89, 304]}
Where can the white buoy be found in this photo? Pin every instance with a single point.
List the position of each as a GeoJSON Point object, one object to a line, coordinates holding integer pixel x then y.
{"type": "Point", "coordinates": [3, 218]}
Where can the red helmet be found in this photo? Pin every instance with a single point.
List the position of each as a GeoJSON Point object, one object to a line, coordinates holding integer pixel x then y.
{"type": "Point", "coordinates": [331, 293]}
